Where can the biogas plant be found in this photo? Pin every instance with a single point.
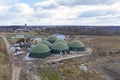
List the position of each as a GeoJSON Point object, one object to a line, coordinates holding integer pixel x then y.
{"type": "Point", "coordinates": [50, 49]}
{"type": "Point", "coordinates": [54, 46]}
{"type": "Point", "coordinates": [28, 52]}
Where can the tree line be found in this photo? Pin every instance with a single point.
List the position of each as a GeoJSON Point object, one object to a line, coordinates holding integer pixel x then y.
{"type": "Point", "coordinates": [81, 31]}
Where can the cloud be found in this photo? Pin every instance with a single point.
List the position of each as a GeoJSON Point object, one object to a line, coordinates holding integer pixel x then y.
{"type": "Point", "coordinates": [21, 8]}
{"type": "Point", "coordinates": [82, 15]}
{"type": "Point", "coordinates": [99, 11]}
{"type": "Point", "coordinates": [85, 2]}
{"type": "Point", "coordinates": [3, 10]}
{"type": "Point", "coordinates": [7, 2]}
{"type": "Point", "coordinates": [41, 15]}
{"type": "Point", "coordinates": [48, 4]}
{"type": "Point", "coordinates": [17, 13]}
{"type": "Point", "coordinates": [74, 12]}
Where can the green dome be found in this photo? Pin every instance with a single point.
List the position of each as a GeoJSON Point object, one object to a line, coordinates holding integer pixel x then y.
{"type": "Point", "coordinates": [60, 41]}
{"type": "Point", "coordinates": [46, 43]}
{"type": "Point", "coordinates": [52, 38]}
{"type": "Point", "coordinates": [40, 48]}
{"type": "Point", "coordinates": [60, 46]}
{"type": "Point", "coordinates": [76, 43]}
{"type": "Point", "coordinates": [39, 51]}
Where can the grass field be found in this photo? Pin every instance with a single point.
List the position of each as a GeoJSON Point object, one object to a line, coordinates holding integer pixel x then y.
{"type": "Point", "coordinates": [42, 74]}
{"type": "Point", "coordinates": [72, 72]}
{"type": "Point", "coordinates": [49, 75]}
{"type": "Point", "coordinates": [4, 62]}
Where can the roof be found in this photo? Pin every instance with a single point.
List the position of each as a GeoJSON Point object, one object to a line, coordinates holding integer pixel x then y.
{"type": "Point", "coordinates": [40, 48]}
{"type": "Point", "coordinates": [61, 41]}
{"type": "Point", "coordinates": [60, 46]}
{"type": "Point", "coordinates": [52, 38]}
{"type": "Point", "coordinates": [46, 43]}
{"type": "Point", "coordinates": [76, 44]}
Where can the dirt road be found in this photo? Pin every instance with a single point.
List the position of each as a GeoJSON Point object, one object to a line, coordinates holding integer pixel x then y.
{"type": "Point", "coordinates": [88, 51]}
{"type": "Point", "coordinates": [15, 68]}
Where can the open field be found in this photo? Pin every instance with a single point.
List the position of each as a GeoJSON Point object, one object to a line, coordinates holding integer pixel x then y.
{"type": "Point", "coordinates": [108, 43]}
{"type": "Point", "coordinates": [107, 67]}
{"type": "Point", "coordinates": [70, 70]}
{"type": "Point", "coordinates": [4, 62]}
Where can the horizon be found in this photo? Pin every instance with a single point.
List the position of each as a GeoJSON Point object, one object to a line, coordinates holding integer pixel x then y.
{"type": "Point", "coordinates": [58, 25]}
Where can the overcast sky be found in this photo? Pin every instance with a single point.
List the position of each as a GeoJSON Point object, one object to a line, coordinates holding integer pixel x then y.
{"type": "Point", "coordinates": [60, 12]}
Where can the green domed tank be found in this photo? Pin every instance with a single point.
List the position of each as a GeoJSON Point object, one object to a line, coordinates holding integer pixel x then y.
{"type": "Point", "coordinates": [76, 45]}
{"type": "Point", "coordinates": [39, 51]}
{"type": "Point", "coordinates": [52, 38]}
{"type": "Point", "coordinates": [60, 47]}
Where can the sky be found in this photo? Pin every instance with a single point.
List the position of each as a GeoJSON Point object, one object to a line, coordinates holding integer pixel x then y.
{"type": "Point", "coordinates": [60, 12]}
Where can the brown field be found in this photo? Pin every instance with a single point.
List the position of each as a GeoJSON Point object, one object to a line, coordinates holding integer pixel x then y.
{"type": "Point", "coordinates": [108, 43]}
